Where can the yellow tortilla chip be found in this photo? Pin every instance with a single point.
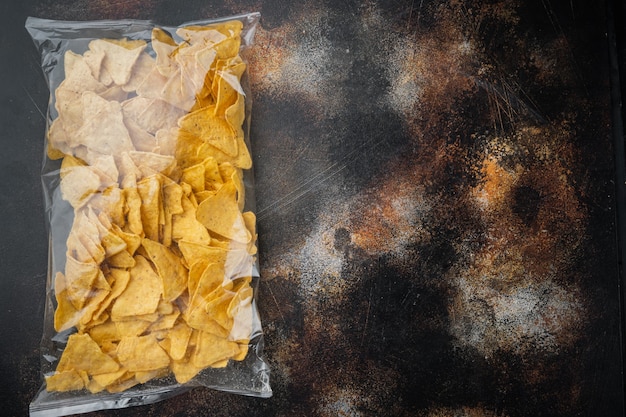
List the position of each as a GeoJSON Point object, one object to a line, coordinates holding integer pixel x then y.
{"type": "Point", "coordinates": [211, 279]}
{"type": "Point", "coordinates": [212, 349]}
{"type": "Point", "coordinates": [83, 354]}
{"type": "Point", "coordinates": [64, 381]}
{"type": "Point", "coordinates": [179, 337]}
{"type": "Point", "coordinates": [144, 376]}
{"type": "Point", "coordinates": [121, 260]}
{"type": "Point", "coordinates": [185, 226]}
{"type": "Point", "coordinates": [198, 318]}
{"type": "Point", "coordinates": [141, 353]}
{"type": "Point", "coordinates": [132, 240]}
{"type": "Point", "coordinates": [218, 308]}
{"type": "Point", "coordinates": [226, 86]}
{"type": "Point", "coordinates": [118, 279]}
{"type": "Point", "coordinates": [131, 327]}
{"type": "Point", "coordinates": [212, 129]}
{"type": "Point", "coordinates": [243, 351]}
{"type": "Point", "coordinates": [105, 332]}
{"type": "Point", "coordinates": [110, 377]}
{"type": "Point", "coordinates": [93, 304]}
{"type": "Point", "coordinates": [125, 382]}
{"type": "Point", "coordinates": [220, 214]}
{"type": "Point", "coordinates": [66, 315]}
{"type": "Point", "coordinates": [149, 190]}
{"type": "Point", "coordinates": [81, 279]}
{"type": "Point", "coordinates": [134, 205]}
{"type": "Point", "coordinates": [184, 370]}
{"type": "Point", "coordinates": [172, 195]}
{"type": "Point", "coordinates": [195, 273]}
{"type": "Point", "coordinates": [194, 176]}
{"type": "Point", "coordinates": [165, 321]}
{"type": "Point", "coordinates": [141, 295]}
{"type": "Point", "coordinates": [173, 274]}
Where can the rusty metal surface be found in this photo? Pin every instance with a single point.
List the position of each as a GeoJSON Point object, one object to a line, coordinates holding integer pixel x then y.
{"type": "Point", "coordinates": [434, 184]}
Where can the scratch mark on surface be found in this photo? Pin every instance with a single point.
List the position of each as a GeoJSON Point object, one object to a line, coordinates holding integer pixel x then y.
{"type": "Point", "coordinates": [324, 175]}
{"type": "Point", "coordinates": [367, 315]}
{"type": "Point", "coordinates": [34, 102]}
{"type": "Point", "coordinates": [282, 317]}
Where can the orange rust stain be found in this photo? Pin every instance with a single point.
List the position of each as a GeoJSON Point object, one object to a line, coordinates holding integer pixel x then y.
{"type": "Point", "coordinates": [265, 60]}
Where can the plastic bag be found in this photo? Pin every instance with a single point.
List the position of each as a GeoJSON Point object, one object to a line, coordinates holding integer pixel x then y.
{"type": "Point", "coordinates": [148, 187]}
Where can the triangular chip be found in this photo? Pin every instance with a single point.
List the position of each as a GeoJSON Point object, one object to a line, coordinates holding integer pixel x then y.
{"type": "Point", "coordinates": [212, 349]}
{"type": "Point", "coordinates": [179, 340]}
{"type": "Point", "coordinates": [66, 315]}
{"type": "Point", "coordinates": [186, 227]}
{"type": "Point", "coordinates": [142, 294]}
{"type": "Point", "coordinates": [64, 381]}
{"type": "Point", "coordinates": [120, 57]}
{"type": "Point", "coordinates": [173, 274]}
{"type": "Point", "coordinates": [212, 129]}
{"type": "Point", "coordinates": [105, 131]}
{"type": "Point", "coordinates": [83, 354]}
{"type": "Point", "coordinates": [149, 190]}
{"type": "Point", "coordinates": [142, 68]}
{"type": "Point", "coordinates": [220, 214]}
{"type": "Point", "coordinates": [141, 353]}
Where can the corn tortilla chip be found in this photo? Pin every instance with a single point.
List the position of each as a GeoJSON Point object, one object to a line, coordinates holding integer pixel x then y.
{"type": "Point", "coordinates": [141, 353]}
{"type": "Point", "coordinates": [83, 354]}
{"type": "Point", "coordinates": [142, 294]}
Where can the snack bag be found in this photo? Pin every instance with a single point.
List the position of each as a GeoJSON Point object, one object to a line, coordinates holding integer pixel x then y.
{"type": "Point", "coordinates": [147, 177]}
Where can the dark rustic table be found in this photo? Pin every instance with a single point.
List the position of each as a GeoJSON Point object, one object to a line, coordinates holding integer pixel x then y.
{"type": "Point", "coordinates": [435, 184]}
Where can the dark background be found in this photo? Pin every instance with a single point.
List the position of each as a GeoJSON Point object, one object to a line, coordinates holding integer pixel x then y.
{"type": "Point", "coordinates": [437, 205]}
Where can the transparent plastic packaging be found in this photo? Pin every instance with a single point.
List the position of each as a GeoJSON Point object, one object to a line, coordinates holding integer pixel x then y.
{"type": "Point", "coordinates": [153, 273]}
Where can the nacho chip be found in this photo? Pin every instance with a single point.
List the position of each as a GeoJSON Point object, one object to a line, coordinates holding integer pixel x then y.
{"type": "Point", "coordinates": [105, 332]}
{"type": "Point", "coordinates": [194, 176]}
{"type": "Point", "coordinates": [185, 226]}
{"type": "Point", "coordinates": [110, 377]}
{"type": "Point", "coordinates": [165, 48]}
{"type": "Point", "coordinates": [142, 68]}
{"type": "Point", "coordinates": [142, 140]}
{"type": "Point", "coordinates": [119, 57]}
{"type": "Point", "coordinates": [149, 190]}
{"type": "Point", "coordinates": [212, 349]}
{"type": "Point", "coordinates": [151, 114]}
{"type": "Point", "coordinates": [78, 184]}
{"type": "Point", "coordinates": [142, 294]}
{"type": "Point", "coordinates": [210, 128]}
{"type": "Point", "coordinates": [179, 337]}
{"type": "Point", "coordinates": [83, 354]}
{"type": "Point", "coordinates": [184, 370]}
{"type": "Point", "coordinates": [220, 214]}
{"type": "Point", "coordinates": [173, 274]}
{"type": "Point", "coordinates": [131, 327]}
{"type": "Point", "coordinates": [141, 353]}
{"type": "Point", "coordinates": [104, 131]}
{"type": "Point", "coordinates": [64, 381]}
{"type": "Point", "coordinates": [66, 315]}
{"type": "Point", "coordinates": [134, 207]}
